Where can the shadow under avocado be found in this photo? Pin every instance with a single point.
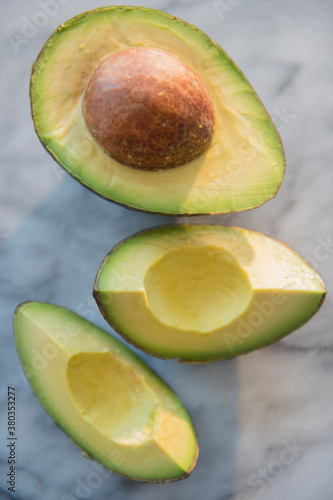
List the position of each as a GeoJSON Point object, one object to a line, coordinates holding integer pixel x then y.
{"type": "Point", "coordinates": [53, 257]}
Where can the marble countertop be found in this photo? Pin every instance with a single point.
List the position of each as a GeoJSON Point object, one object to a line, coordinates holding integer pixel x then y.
{"type": "Point", "coordinates": [264, 420]}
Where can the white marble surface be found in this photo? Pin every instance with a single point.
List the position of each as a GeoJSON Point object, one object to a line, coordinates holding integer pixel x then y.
{"type": "Point", "coordinates": [54, 233]}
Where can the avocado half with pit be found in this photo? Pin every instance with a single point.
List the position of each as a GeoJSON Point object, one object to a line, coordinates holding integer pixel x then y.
{"type": "Point", "coordinates": [147, 111]}
{"type": "Point", "coordinates": [108, 401]}
{"type": "Point", "coordinates": [205, 292]}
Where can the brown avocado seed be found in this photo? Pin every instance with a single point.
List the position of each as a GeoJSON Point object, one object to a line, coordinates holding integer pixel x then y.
{"type": "Point", "coordinates": [148, 110]}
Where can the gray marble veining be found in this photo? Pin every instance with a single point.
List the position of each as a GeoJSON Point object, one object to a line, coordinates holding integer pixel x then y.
{"type": "Point", "coordinates": [265, 420]}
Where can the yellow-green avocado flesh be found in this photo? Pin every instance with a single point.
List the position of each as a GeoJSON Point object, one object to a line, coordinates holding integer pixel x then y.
{"type": "Point", "coordinates": [108, 401]}
{"type": "Point", "coordinates": [242, 168]}
{"type": "Point", "coordinates": [207, 292]}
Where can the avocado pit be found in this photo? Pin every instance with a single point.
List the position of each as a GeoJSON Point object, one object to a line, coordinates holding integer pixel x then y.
{"type": "Point", "coordinates": [148, 110]}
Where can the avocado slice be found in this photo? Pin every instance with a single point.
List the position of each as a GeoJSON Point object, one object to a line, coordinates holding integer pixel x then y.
{"type": "Point", "coordinates": [243, 163]}
{"type": "Point", "coordinates": [108, 401]}
{"type": "Point", "coordinates": [205, 292]}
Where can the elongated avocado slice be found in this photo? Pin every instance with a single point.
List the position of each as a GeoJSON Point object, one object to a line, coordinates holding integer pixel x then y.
{"type": "Point", "coordinates": [108, 401]}
{"type": "Point", "coordinates": [207, 292]}
{"type": "Point", "coordinates": [243, 164]}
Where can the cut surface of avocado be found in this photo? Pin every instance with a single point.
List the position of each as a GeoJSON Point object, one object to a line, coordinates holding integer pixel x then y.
{"type": "Point", "coordinates": [205, 292]}
{"type": "Point", "coordinates": [243, 165]}
{"type": "Point", "coordinates": [108, 401]}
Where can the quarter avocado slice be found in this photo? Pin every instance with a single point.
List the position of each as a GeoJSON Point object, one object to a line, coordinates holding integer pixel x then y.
{"type": "Point", "coordinates": [108, 401]}
{"type": "Point", "coordinates": [243, 163]}
{"type": "Point", "coordinates": [205, 292]}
